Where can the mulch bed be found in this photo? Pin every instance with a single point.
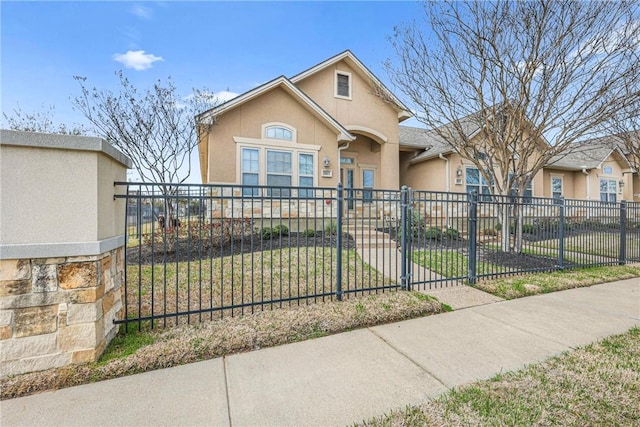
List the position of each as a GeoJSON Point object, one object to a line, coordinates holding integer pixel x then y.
{"type": "Point", "coordinates": [192, 250]}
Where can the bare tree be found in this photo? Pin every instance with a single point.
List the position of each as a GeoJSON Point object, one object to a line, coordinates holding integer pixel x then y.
{"type": "Point", "coordinates": [155, 128]}
{"type": "Point", "coordinates": [511, 84]}
{"type": "Point", "coordinates": [40, 121]}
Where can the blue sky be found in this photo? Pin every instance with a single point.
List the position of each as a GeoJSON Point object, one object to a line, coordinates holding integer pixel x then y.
{"type": "Point", "coordinates": [222, 46]}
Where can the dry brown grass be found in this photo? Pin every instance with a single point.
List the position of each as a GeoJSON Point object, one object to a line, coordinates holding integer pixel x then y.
{"type": "Point", "coordinates": [186, 344]}
{"type": "Point", "coordinates": [522, 286]}
{"type": "Point", "coordinates": [596, 385]}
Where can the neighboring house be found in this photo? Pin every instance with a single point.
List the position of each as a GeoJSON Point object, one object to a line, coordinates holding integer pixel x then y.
{"type": "Point", "coordinates": [594, 170]}
{"type": "Point", "coordinates": [336, 122]}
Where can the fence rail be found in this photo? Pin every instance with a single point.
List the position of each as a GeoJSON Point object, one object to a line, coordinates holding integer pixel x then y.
{"type": "Point", "coordinates": [196, 252]}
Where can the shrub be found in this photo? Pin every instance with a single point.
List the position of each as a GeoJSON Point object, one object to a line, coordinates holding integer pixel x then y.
{"type": "Point", "coordinates": [529, 228]}
{"type": "Point", "coordinates": [215, 232]}
{"type": "Point", "coordinates": [433, 233]}
{"type": "Point", "coordinates": [331, 227]}
{"type": "Point", "coordinates": [281, 230]}
{"type": "Point", "coordinates": [451, 234]}
{"type": "Point", "coordinates": [267, 233]}
{"type": "Point", "coordinates": [498, 227]}
{"type": "Point", "coordinates": [309, 232]}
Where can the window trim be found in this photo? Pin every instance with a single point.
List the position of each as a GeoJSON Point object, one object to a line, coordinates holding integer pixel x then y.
{"type": "Point", "coordinates": [609, 192]}
{"type": "Point", "coordinates": [561, 178]}
{"type": "Point", "coordinates": [294, 133]}
{"type": "Point", "coordinates": [481, 194]}
{"type": "Point", "coordinates": [335, 85]}
{"type": "Point", "coordinates": [245, 191]}
{"type": "Point", "coordinates": [262, 165]}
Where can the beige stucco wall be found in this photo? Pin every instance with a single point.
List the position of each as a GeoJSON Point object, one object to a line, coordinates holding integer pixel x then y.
{"type": "Point", "coordinates": [573, 184]}
{"type": "Point", "coordinates": [276, 106]}
{"type": "Point", "coordinates": [58, 190]}
{"type": "Point", "coordinates": [428, 175]}
{"type": "Point", "coordinates": [364, 109]}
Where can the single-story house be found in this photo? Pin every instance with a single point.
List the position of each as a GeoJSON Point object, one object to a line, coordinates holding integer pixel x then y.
{"type": "Point", "coordinates": [337, 122]}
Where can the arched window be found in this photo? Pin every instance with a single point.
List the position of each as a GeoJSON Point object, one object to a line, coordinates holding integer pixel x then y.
{"type": "Point", "coordinates": [608, 170]}
{"type": "Point", "coordinates": [278, 132]}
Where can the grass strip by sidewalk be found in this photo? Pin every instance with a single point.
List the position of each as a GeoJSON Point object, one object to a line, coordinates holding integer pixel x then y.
{"type": "Point", "coordinates": [598, 384]}
{"type": "Point", "coordinates": [540, 283]}
{"type": "Point", "coordinates": [149, 350]}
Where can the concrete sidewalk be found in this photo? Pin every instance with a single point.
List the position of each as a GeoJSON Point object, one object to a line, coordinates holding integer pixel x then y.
{"type": "Point", "coordinates": [347, 377]}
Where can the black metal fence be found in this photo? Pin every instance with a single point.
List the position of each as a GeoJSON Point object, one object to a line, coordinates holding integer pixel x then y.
{"type": "Point", "coordinates": [196, 252]}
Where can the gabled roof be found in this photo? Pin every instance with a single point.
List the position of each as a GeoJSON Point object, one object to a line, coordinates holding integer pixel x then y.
{"type": "Point", "coordinates": [588, 154]}
{"type": "Point", "coordinates": [347, 56]}
{"type": "Point", "coordinates": [291, 89]}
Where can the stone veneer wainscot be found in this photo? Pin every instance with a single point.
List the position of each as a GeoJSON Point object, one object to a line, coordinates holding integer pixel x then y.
{"type": "Point", "coordinates": [56, 311]}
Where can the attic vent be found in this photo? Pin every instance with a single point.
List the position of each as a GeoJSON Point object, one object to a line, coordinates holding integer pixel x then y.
{"type": "Point", "coordinates": [343, 85]}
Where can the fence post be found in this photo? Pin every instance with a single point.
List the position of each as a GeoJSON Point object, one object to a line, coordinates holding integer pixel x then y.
{"type": "Point", "coordinates": [340, 203]}
{"type": "Point", "coordinates": [623, 233]}
{"type": "Point", "coordinates": [473, 235]}
{"type": "Point", "coordinates": [405, 228]}
{"type": "Point", "coordinates": [561, 233]}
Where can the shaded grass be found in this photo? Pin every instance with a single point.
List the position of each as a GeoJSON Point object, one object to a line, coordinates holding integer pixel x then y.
{"type": "Point", "coordinates": [533, 284]}
{"type": "Point", "coordinates": [155, 349]}
{"type": "Point", "coordinates": [255, 280]}
{"type": "Point", "coordinates": [599, 244]}
{"type": "Point", "coordinates": [598, 384]}
{"type": "Point", "coordinates": [451, 264]}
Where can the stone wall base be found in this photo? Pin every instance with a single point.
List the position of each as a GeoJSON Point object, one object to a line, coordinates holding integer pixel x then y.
{"type": "Point", "coordinates": [58, 311]}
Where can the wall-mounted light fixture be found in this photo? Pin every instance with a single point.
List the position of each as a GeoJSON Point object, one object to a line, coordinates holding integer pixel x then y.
{"type": "Point", "coordinates": [459, 171]}
{"type": "Point", "coordinates": [621, 183]}
{"type": "Point", "coordinates": [326, 161]}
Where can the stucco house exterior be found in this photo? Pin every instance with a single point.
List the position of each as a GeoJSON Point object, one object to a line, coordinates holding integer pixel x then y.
{"type": "Point", "coordinates": [590, 170]}
{"type": "Point", "coordinates": [337, 122]}
{"type": "Point", "coordinates": [322, 125]}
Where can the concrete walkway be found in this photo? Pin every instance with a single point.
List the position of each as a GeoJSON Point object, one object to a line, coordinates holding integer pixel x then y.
{"type": "Point", "coordinates": [348, 377]}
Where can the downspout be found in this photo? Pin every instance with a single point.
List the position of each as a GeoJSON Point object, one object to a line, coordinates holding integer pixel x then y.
{"type": "Point", "coordinates": [447, 173]}
{"type": "Point", "coordinates": [586, 177]}
{"type": "Point", "coordinates": [447, 181]}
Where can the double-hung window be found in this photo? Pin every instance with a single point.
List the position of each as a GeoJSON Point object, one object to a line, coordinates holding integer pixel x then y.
{"type": "Point", "coordinates": [608, 190]}
{"type": "Point", "coordinates": [279, 172]}
{"type": "Point", "coordinates": [475, 181]}
{"type": "Point", "coordinates": [250, 170]}
{"type": "Point", "coordinates": [556, 187]}
{"type": "Point", "coordinates": [305, 174]}
{"type": "Point", "coordinates": [528, 192]}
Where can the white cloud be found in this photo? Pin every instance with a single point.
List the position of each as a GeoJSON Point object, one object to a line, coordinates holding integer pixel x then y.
{"type": "Point", "coordinates": [141, 11]}
{"type": "Point", "coordinates": [137, 59]}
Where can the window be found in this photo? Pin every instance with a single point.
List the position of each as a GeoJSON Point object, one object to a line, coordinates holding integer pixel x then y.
{"type": "Point", "coordinates": [250, 170]}
{"type": "Point", "coordinates": [528, 192]}
{"type": "Point", "coordinates": [278, 132]}
{"type": "Point", "coordinates": [367, 183]}
{"type": "Point", "coordinates": [475, 181]}
{"type": "Point", "coordinates": [608, 190]}
{"type": "Point", "coordinates": [343, 85]}
{"type": "Point", "coordinates": [305, 174]}
{"type": "Point", "coordinates": [556, 187]}
{"type": "Point", "coordinates": [608, 170]}
{"type": "Point", "coordinates": [347, 161]}
{"type": "Point", "coordinates": [279, 171]}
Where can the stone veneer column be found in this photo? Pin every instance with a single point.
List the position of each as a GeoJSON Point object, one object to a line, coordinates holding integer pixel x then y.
{"type": "Point", "coordinates": [61, 249]}
{"type": "Point", "coordinates": [56, 311]}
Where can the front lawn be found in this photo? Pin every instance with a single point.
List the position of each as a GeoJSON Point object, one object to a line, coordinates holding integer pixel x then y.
{"type": "Point", "coordinates": [596, 385]}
